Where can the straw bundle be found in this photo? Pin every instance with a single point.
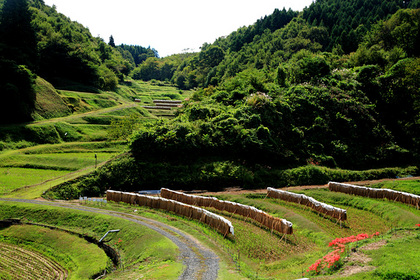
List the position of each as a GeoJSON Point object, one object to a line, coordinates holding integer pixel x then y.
{"type": "Point", "coordinates": [217, 222]}
{"type": "Point", "coordinates": [337, 213]}
{"type": "Point", "coordinates": [280, 225]}
{"type": "Point", "coordinates": [402, 197]}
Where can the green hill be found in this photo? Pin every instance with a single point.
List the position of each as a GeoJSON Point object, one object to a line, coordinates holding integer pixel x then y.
{"type": "Point", "coordinates": [284, 101]}
{"type": "Point", "coordinates": [290, 90]}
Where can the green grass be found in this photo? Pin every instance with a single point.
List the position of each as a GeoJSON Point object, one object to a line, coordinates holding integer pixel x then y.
{"type": "Point", "coordinates": [14, 178]}
{"type": "Point", "coordinates": [148, 91]}
{"type": "Point", "coordinates": [141, 249]}
{"type": "Point", "coordinates": [399, 258]}
{"type": "Point", "coordinates": [81, 258]}
{"type": "Point", "coordinates": [410, 186]}
{"type": "Point", "coordinates": [65, 161]}
{"type": "Point", "coordinates": [51, 164]}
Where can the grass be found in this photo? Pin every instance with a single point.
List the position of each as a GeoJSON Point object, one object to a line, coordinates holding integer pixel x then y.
{"type": "Point", "coordinates": [14, 178]}
{"type": "Point", "coordinates": [35, 169]}
{"type": "Point", "coordinates": [142, 250]}
{"type": "Point", "coordinates": [410, 186]}
{"type": "Point", "coordinates": [392, 259]}
{"type": "Point", "coordinates": [81, 258]}
{"type": "Point", "coordinates": [67, 161]}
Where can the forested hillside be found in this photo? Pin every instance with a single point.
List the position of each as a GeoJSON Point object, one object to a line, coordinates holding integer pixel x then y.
{"type": "Point", "coordinates": [36, 40]}
{"type": "Point", "coordinates": [336, 85]}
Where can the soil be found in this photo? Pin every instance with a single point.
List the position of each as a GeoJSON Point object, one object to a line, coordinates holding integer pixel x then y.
{"type": "Point", "coordinates": [359, 261]}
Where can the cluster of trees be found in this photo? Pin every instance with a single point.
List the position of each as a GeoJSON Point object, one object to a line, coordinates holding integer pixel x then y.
{"type": "Point", "coordinates": [348, 21]}
{"type": "Point", "coordinates": [135, 54]}
{"type": "Point", "coordinates": [334, 26]}
{"type": "Point", "coordinates": [284, 100]}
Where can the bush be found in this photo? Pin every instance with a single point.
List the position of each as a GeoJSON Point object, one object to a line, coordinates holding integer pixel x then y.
{"type": "Point", "coordinates": [17, 93]}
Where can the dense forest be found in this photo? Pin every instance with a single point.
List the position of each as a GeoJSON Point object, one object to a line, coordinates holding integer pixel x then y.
{"type": "Point", "coordinates": [336, 85]}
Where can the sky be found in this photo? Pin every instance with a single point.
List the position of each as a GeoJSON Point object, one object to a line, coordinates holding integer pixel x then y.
{"type": "Point", "coordinates": [168, 26]}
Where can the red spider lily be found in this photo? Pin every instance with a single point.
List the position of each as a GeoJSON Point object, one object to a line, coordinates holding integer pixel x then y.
{"type": "Point", "coordinates": [338, 244]}
{"type": "Point", "coordinates": [418, 225]}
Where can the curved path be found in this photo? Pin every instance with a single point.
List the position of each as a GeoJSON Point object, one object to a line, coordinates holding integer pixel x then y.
{"type": "Point", "coordinates": [200, 262]}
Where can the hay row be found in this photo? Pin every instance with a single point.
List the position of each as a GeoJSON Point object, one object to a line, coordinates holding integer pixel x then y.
{"type": "Point", "coordinates": [217, 222]}
{"type": "Point", "coordinates": [403, 197]}
{"type": "Point", "coordinates": [273, 223]}
{"type": "Point", "coordinates": [337, 213]}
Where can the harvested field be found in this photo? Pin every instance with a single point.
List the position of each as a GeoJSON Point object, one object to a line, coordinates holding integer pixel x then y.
{"type": "Point", "coordinates": [20, 263]}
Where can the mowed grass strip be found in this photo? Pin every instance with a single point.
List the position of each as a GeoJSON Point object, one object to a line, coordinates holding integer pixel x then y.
{"type": "Point", "coordinates": [15, 178]}
{"type": "Point", "coordinates": [57, 161]}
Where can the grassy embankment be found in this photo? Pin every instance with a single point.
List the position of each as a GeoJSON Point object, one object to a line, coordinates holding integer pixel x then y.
{"type": "Point", "coordinates": [142, 251]}
{"type": "Point", "coordinates": [257, 253]}
{"type": "Point", "coordinates": [37, 156]}
{"type": "Point", "coordinates": [78, 257]}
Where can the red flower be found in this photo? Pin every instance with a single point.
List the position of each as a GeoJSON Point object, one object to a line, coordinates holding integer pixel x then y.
{"type": "Point", "coordinates": [418, 225]}
{"type": "Point", "coordinates": [338, 244]}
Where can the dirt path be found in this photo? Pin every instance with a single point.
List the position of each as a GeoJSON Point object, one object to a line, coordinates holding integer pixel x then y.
{"type": "Point", "coordinates": [199, 262]}
{"type": "Point", "coordinates": [358, 261]}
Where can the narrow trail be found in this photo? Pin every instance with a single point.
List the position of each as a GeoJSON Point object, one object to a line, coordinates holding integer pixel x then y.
{"type": "Point", "coordinates": [199, 262]}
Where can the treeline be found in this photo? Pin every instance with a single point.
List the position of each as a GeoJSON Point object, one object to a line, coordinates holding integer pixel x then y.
{"type": "Point", "coordinates": [334, 26]}
{"type": "Point", "coordinates": [348, 22]}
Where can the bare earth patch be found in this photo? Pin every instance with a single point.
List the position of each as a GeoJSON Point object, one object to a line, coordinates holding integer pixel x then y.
{"type": "Point", "coordinates": [358, 261]}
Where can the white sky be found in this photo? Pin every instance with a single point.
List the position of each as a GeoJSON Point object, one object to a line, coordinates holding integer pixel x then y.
{"type": "Point", "coordinates": [169, 26]}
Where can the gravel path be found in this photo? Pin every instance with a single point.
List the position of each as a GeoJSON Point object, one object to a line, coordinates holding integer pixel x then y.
{"type": "Point", "coordinates": [199, 262]}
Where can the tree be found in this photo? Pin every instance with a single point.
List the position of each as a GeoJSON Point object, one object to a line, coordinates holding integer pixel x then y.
{"type": "Point", "coordinates": [17, 37]}
{"type": "Point", "coordinates": [111, 41]}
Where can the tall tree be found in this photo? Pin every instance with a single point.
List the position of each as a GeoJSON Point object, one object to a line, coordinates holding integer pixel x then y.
{"type": "Point", "coordinates": [111, 41]}
{"type": "Point", "coordinates": [17, 37]}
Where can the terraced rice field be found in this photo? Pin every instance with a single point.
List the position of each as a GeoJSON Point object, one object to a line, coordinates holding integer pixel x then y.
{"type": "Point", "coordinates": [20, 263]}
